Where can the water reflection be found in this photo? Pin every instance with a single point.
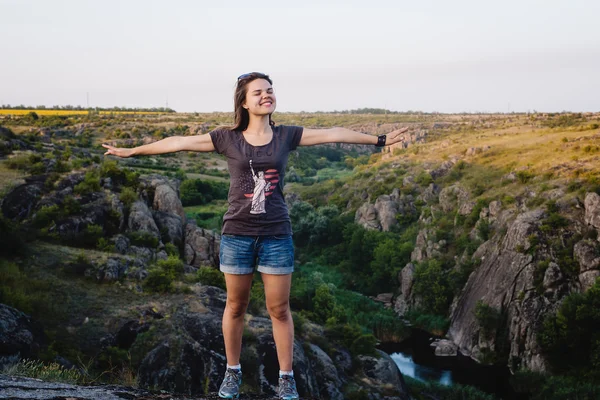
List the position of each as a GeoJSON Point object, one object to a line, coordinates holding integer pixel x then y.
{"type": "Point", "coordinates": [423, 373]}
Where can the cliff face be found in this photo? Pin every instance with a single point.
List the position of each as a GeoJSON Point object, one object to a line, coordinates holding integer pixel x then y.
{"type": "Point", "coordinates": [533, 259]}
{"type": "Point", "coordinates": [513, 279]}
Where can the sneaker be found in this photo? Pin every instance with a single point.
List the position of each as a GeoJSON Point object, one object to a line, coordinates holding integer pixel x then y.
{"type": "Point", "coordinates": [230, 388]}
{"type": "Point", "coordinates": [287, 388]}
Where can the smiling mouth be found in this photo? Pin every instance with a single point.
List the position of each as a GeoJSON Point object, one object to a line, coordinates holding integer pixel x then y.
{"type": "Point", "coordinates": [266, 102]}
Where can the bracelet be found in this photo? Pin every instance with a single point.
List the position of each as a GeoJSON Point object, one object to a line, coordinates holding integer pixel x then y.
{"type": "Point", "coordinates": [380, 141]}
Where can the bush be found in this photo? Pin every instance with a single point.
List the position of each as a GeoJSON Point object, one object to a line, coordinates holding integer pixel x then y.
{"type": "Point", "coordinates": [570, 337]}
{"type": "Point", "coordinates": [161, 276]}
{"type": "Point", "coordinates": [144, 239]}
{"type": "Point", "coordinates": [90, 184]}
{"type": "Point", "coordinates": [211, 277]}
{"type": "Point", "coordinates": [128, 196]}
{"type": "Point", "coordinates": [487, 317]}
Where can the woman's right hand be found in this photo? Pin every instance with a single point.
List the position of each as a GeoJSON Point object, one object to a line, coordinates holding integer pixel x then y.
{"type": "Point", "coordinates": [117, 151]}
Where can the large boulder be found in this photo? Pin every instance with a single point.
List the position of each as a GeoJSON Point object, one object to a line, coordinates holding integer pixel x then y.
{"type": "Point", "coordinates": [328, 379]}
{"type": "Point", "coordinates": [20, 335]}
{"type": "Point", "coordinates": [201, 246]}
{"type": "Point", "coordinates": [22, 200]}
{"type": "Point", "coordinates": [140, 219]}
{"type": "Point", "coordinates": [383, 373]}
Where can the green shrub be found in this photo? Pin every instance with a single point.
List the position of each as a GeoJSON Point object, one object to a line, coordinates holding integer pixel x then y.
{"type": "Point", "coordinates": [163, 274]}
{"type": "Point", "coordinates": [90, 184]}
{"type": "Point", "coordinates": [364, 344]}
{"type": "Point", "coordinates": [211, 277]}
{"type": "Point", "coordinates": [46, 215]}
{"type": "Point", "coordinates": [144, 239]}
{"type": "Point", "coordinates": [487, 317]}
{"type": "Point", "coordinates": [128, 196]}
{"type": "Point", "coordinates": [570, 339]}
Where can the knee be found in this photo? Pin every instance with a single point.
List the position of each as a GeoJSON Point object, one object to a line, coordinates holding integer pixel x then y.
{"type": "Point", "coordinates": [236, 309]}
{"type": "Point", "coordinates": [280, 312]}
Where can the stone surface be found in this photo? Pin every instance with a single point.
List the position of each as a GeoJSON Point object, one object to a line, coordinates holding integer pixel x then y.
{"type": "Point", "coordinates": [20, 335]}
{"type": "Point", "coordinates": [445, 348]}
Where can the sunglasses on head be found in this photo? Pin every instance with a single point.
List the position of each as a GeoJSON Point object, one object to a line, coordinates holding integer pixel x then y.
{"type": "Point", "coordinates": [253, 75]}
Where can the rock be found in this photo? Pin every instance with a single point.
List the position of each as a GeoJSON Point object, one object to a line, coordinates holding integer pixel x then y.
{"type": "Point", "coordinates": [587, 252]}
{"type": "Point", "coordinates": [442, 169]}
{"type": "Point", "coordinates": [592, 210]}
{"type": "Point", "coordinates": [19, 334]}
{"type": "Point", "coordinates": [367, 217]}
{"type": "Point", "coordinates": [19, 203]}
{"type": "Point", "coordinates": [588, 278]}
{"type": "Point", "coordinates": [128, 333]}
{"type": "Point", "coordinates": [114, 269]}
{"type": "Point", "coordinates": [444, 348]}
{"type": "Point", "coordinates": [14, 387]}
{"type": "Point", "coordinates": [269, 371]}
{"type": "Point", "coordinates": [328, 380]}
{"type": "Point", "coordinates": [503, 274]}
{"type": "Point", "coordinates": [384, 374]}
{"type": "Point", "coordinates": [453, 198]}
{"type": "Point", "coordinates": [121, 243]}
{"type": "Point", "coordinates": [201, 246]}
{"type": "Point", "coordinates": [404, 300]}
{"type": "Point", "coordinates": [171, 225]}
{"type": "Point", "coordinates": [166, 199]}
{"type": "Point", "coordinates": [386, 212]}
{"type": "Point", "coordinates": [140, 219]}
{"type": "Point", "coordinates": [430, 195]}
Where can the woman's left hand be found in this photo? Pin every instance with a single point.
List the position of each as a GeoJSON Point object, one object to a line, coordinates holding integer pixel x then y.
{"type": "Point", "coordinates": [395, 136]}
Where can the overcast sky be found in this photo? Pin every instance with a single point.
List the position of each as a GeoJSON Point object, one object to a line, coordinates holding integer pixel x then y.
{"type": "Point", "coordinates": [428, 55]}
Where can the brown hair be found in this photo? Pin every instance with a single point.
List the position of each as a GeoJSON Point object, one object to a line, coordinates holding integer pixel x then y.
{"type": "Point", "coordinates": [242, 118]}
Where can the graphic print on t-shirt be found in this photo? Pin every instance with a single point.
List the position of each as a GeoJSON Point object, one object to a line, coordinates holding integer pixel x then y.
{"type": "Point", "coordinates": [264, 184]}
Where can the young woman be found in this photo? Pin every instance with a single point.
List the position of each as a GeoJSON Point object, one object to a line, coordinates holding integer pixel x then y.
{"type": "Point", "coordinates": [256, 228]}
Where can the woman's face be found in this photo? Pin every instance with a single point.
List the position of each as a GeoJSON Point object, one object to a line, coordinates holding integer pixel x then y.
{"type": "Point", "coordinates": [260, 98]}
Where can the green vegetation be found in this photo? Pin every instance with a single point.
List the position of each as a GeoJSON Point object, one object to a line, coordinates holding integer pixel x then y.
{"type": "Point", "coordinates": [570, 338]}
{"type": "Point", "coordinates": [51, 372]}
{"type": "Point", "coordinates": [211, 277]}
{"type": "Point", "coordinates": [197, 192]}
{"type": "Point", "coordinates": [162, 275]}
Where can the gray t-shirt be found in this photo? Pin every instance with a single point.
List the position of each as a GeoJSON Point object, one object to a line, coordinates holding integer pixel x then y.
{"type": "Point", "coordinates": [256, 202]}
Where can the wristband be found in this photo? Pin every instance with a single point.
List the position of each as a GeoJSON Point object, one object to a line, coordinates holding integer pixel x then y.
{"type": "Point", "coordinates": [380, 141]}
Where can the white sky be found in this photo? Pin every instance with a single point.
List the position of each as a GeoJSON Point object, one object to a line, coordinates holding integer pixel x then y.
{"type": "Point", "coordinates": [428, 55]}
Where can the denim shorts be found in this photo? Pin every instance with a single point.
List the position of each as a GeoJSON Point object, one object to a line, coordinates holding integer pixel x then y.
{"type": "Point", "coordinates": [269, 254]}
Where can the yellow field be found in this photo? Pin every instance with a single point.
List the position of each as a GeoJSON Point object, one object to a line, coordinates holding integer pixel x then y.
{"type": "Point", "coordinates": [4, 111]}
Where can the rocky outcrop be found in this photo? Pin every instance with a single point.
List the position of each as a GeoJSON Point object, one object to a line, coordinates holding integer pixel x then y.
{"type": "Point", "coordinates": [454, 198]}
{"type": "Point", "coordinates": [592, 211]}
{"type": "Point", "coordinates": [22, 200]}
{"type": "Point", "coordinates": [140, 219]}
{"type": "Point", "coordinates": [384, 214]}
{"type": "Point", "coordinates": [20, 335]}
{"type": "Point", "coordinates": [201, 246]}
{"type": "Point", "coordinates": [14, 387]}
{"type": "Point", "coordinates": [328, 378]}
{"type": "Point", "coordinates": [382, 372]}
{"type": "Point", "coordinates": [404, 301]}
{"type": "Point", "coordinates": [503, 274]}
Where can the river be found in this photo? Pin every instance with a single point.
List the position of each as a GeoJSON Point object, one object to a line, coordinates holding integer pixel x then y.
{"type": "Point", "coordinates": [416, 359]}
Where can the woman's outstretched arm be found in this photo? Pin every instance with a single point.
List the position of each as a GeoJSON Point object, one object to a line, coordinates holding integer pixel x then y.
{"type": "Point", "coordinates": [311, 137]}
{"type": "Point", "coordinates": [168, 145]}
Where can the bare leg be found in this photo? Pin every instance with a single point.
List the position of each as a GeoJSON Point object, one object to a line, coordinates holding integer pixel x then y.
{"type": "Point", "coordinates": [238, 294]}
{"type": "Point", "coordinates": [277, 293]}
